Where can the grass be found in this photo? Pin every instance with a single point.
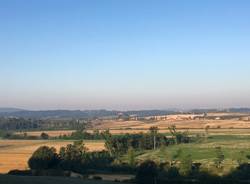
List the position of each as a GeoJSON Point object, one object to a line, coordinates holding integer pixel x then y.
{"type": "Point", "coordinates": [7, 179]}
{"type": "Point", "coordinates": [203, 152]}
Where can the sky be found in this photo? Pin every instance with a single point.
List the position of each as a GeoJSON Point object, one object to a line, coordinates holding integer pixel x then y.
{"type": "Point", "coordinates": [124, 54]}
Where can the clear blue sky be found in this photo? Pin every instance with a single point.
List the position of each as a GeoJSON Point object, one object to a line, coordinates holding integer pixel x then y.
{"type": "Point", "coordinates": [124, 54]}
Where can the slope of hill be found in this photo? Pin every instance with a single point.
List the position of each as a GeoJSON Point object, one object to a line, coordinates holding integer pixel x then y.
{"type": "Point", "coordinates": [81, 114]}
{"type": "Point", "coordinates": [13, 112]}
{"type": "Point", "coordinates": [8, 179]}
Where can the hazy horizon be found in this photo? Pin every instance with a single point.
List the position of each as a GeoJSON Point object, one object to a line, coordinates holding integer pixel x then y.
{"type": "Point", "coordinates": [124, 55]}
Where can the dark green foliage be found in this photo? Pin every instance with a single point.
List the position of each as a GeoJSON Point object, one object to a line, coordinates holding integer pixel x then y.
{"type": "Point", "coordinates": [72, 156]}
{"type": "Point", "coordinates": [81, 134]}
{"type": "Point", "coordinates": [97, 177]}
{"type": "Point", "coordinates": [44, 158]}
{"type": "Point", "coordinates": [131, 157]}
{"type": "Point", "coordinates": [179, 137]}
{"type": "Point", "coordinates": [119, 144]}
{"type": "Point", "coordinates": [20, 172]}
{"type": "Point", "coordinates": [241, 173]}
{"type": "Point", "coordinates": [44, 136]}
{"type": "Point", "coordinates": [147, 173]}
{"type": "Point", "coordinates": [24, 136]}
{"type": "Point", "coordinates": [167, 170]}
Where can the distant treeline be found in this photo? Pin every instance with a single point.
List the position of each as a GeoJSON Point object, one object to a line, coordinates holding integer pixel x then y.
{"type": "Point", "coordinates": [22, 124]}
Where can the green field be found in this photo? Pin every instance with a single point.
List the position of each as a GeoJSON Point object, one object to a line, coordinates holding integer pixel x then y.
{"type": "Point", "coordinates": [234, 147]}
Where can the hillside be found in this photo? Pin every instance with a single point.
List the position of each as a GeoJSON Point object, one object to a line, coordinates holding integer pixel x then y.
{"type": "Point", "coordinates": [7, 179]}
{"type": "Point", "coordinates": [102, 113]}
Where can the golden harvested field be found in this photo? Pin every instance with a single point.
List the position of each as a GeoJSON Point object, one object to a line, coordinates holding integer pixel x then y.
{"type": "Point", "coordinates": [51, 133]}
{"type": "Point", "coordinates": [122, 127]}
{"type": "Point", "coordinates": [180, 124]}
{"type": "Point", "coordinates": [14, 154]}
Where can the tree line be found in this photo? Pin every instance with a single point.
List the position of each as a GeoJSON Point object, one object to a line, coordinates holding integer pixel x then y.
{"type": "Point", "coordinates": [73, 157]}
{"type": "Point", "coordinates": [22, 124]}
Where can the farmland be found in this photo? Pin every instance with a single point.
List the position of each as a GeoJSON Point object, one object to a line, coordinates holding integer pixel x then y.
{"type": "Point", "coordinates": [231, 134]}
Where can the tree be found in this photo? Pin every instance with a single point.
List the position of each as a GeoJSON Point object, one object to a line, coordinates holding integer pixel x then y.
{"type": "Point", "coordinates": [207, 130]}
{"type": "Point", "coordinates": [179, 137]}
{"type": "Point", "coordinates": [72, 156]}
{"type": "Point", "coordinates": [153, 132]}
{"type": "Point", "coordinates": [219, 157]}
{"type": "Point", "coordinates": [108, 141]}
{"type": "Point", "coordinates": [131, 157]}
{"type": "Point", "coordinates": [147, 173]}
{"type": "Point", "coordinates": [44, 158]}
{"type": "Point", "coordinates": [44, 136]}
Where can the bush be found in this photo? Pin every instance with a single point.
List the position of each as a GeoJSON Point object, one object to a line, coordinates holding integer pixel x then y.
{"type": "Point", "coordinates": [20, 172]}
{"type": "Point", "coordinates": [97, 178]}
{"type": "Point", "coordinates": [44, 158]}
{"type": "Point", "coordinates": [44, 136]}
{"type": "Point", "coordinates": [147, 172]}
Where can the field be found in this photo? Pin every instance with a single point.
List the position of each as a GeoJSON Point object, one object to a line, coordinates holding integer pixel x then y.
{"type": "Point", "coordinates": [181, 124]}
{"type": "Point", "coordinates": [15, 153]}
{"type": "Point", "coordinates": [232, 146]}
{"type": "Point", "coordinates": [228, 126]}
{"type": "Point", "coordinates": [51, 133]}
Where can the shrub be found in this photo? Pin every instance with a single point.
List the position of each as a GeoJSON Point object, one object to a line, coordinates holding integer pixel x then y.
{"type": "Point", "coordinates": [147, 172]}
{"type": "Point", "coordinates": [97, 178]}
{"type": "Point", "coordinates": [44, 136]}
{"type": "Point", "coordinates": [44, 158]}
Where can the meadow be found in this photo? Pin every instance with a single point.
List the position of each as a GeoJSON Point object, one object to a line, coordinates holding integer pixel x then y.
{"type": "Point", "coordinates": [235, 148]}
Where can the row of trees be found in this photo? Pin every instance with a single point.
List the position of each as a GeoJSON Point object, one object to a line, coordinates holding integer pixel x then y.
{"type": "Point", "coordinates": [25, 136]}
{"type": "Point", "coordinates": [21, 124]}
{"type": "Point", "coordinates": [82, 134]}
{"type": "Point", "coordinates": [73, 157]}
{"type": "Point", "coordinates": [120, 144]}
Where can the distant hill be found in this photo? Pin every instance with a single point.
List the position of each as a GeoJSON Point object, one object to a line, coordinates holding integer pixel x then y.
{"type": "Point", "coordinates": [58, 114]}
{"type": "Point", "coordinates": [11, 179]}
{"type": "Point", "coordinates": [14, 112]}
{"type": "Point", "coordinates": [80, 114]}
{"type": "Point", "coordinates": [10, 110]}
